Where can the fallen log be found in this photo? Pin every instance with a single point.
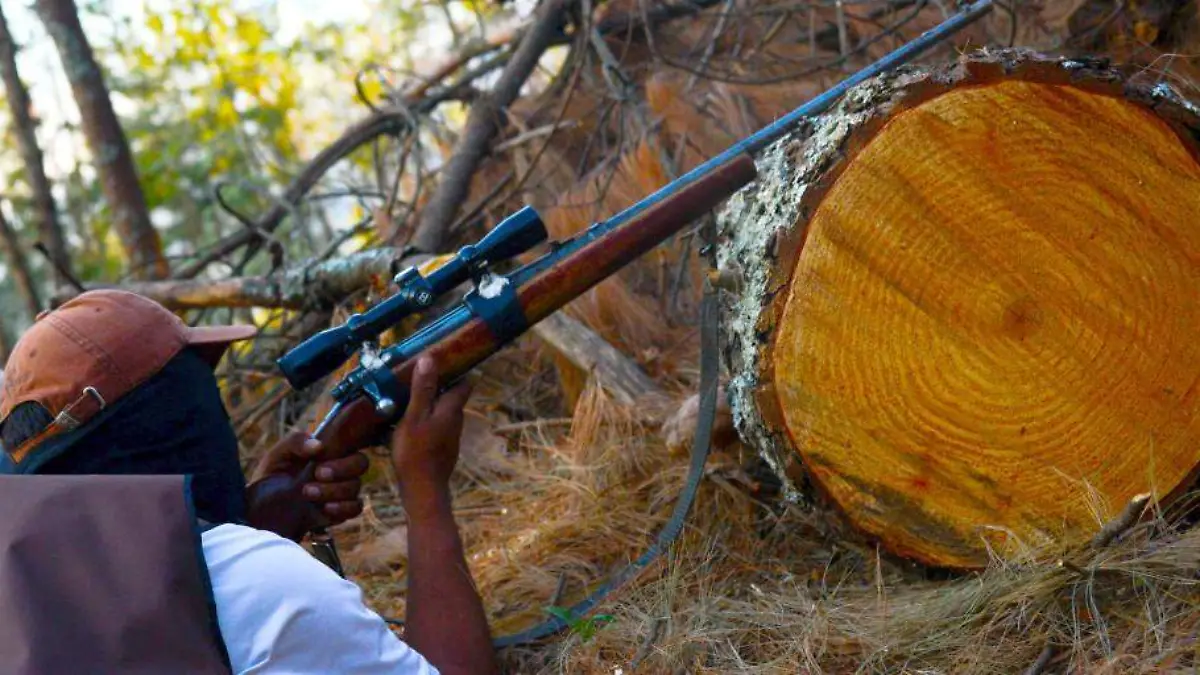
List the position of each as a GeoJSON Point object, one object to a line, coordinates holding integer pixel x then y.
{"type": "Point", "coordinates": [967, 304]}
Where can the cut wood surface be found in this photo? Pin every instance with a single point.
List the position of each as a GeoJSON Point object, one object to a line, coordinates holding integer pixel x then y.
{"type": "Point", "coordinates": [977, 326]}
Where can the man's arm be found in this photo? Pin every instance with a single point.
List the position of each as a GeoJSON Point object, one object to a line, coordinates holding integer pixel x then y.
{"type": "Point", "coordinates": [445, 622]}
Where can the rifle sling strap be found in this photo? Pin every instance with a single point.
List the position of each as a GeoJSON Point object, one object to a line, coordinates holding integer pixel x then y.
{"type": "Point", "coordinates": [709, 367]}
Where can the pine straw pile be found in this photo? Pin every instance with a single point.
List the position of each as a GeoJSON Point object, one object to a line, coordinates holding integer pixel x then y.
{"type": "Point", "coordinates": [756, 584]}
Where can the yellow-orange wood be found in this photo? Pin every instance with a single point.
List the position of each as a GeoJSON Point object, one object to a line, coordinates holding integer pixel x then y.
{"type": "Point", "coordinates": [992, 332]}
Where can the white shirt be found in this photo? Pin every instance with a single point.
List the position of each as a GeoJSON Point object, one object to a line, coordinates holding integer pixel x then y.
{"type": "Point", "coordinates": [283, 612]}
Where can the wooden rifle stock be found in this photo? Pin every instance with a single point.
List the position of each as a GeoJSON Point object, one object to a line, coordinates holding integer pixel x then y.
{"type": "Point", "coordinates": [355, 424]}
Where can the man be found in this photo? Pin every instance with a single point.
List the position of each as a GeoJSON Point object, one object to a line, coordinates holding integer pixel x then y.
{"type": "Point", "coordinates": [111, 383]}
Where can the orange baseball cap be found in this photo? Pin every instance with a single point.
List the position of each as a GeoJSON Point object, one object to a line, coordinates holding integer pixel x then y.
{"type": "Point", "coordinates": [81, 358]}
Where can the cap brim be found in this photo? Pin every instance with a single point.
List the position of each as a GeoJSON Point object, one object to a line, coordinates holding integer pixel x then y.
{"type": "Point", "coordinates": [212, 341]}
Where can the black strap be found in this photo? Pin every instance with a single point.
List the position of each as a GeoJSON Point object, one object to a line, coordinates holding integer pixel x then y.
{"type": "Point", "coordinates": [709, 366]}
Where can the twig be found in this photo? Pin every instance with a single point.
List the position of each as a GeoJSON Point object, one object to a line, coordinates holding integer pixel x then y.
{"type": "Point", "coordinates": [387, 121]}
{"type": "Point", "coordinates": [394, 119]}
{"type": "Point", "coordinates": [480, 205]}
{"type": "Point", "coordinates": [711, 47]}
{"type": "Point", "coordinates": [265, 406]}
{"type": "Point", "coordinates": [647, 643]}
{"type": "Point", "coordinates": [1124, 520]}
{"type": "Point", "coordinates": [63, 272]}
{"type": "Point", "coordinates": [1043, 660]}
{"type": "Point", "coordinates": [1107, 535]}
{"type": "Point", "coordinates": [843, 40]}
{"type": "Point", "coordinates": [531, 424]}
{"type": "Point", "coordinates": [559, 590]}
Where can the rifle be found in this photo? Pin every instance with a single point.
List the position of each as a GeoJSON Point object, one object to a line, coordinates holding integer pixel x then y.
{"type": "Point", "coordinates": [503, 306]}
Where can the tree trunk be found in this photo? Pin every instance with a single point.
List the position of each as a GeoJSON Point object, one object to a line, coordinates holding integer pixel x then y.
{"type": "Point", "coordinates": [19, 267]}
{"type": "Point", "coordinates": [24, 127]}
{"type": "Point", "coordinates": [5, 349]}
{"type": "Point", "coordinates": [968, 307]}
{"type": "Point", "coordinates": [105, 139]}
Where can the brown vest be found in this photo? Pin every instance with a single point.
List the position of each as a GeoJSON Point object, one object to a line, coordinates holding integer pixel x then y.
{"type": "Point", "coordinates": [104, 574]}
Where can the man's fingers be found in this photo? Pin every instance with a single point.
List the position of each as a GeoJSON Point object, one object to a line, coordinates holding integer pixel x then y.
{"type": "Point", "coordinates": [423, 389]}
{"type": "Point", "coordinates": [340, 512]}
{"type": "Point", "coordinates": [343, 491]}
{"type": "Point", "coordinates": [345, 468]}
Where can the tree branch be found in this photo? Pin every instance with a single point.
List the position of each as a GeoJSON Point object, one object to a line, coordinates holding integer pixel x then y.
{"type": "Point", "coordinates": [484, 122]}
{"type": "Point", "coordinates": [20, 267]}
{"type": "Point", "coordinates": [306, 286]}
{"type": "Point", "coordinates": [389, 120]}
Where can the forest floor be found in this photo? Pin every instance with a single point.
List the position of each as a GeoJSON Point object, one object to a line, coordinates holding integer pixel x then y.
{"type": "Point", "coordinates": [551, 505]}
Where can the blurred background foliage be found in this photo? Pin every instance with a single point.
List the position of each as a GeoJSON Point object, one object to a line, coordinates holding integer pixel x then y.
{"type": "Point", "coordinates": [229, 94]}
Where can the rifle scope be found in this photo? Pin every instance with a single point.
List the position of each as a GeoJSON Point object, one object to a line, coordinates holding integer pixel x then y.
{"type": "Point", "coordinates": [324, 352]}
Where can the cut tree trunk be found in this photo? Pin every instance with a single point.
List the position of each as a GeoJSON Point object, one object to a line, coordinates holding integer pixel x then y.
{"type": "Point", "coordinates": [105, 139]}
{"type": "Point", "coordinates": [968, 305]}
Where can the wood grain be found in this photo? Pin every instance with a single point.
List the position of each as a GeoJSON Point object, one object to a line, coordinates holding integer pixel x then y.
{"type": "Point", "coordinates": [990, 334]}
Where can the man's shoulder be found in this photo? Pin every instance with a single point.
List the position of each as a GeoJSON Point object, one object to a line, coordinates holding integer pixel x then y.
{"type": "Point", "coordinates": [281, 610]}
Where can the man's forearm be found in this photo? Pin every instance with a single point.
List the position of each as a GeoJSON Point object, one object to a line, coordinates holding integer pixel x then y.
{"type": "Point", "coordinates": [445, 620]}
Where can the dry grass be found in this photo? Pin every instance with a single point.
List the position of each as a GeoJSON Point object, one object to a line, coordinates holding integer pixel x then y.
{"type": "Point", "coordinates": [756, 585]}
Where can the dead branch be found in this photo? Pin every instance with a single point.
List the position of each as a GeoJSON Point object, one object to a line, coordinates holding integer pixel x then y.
{"type": "Point", "coordinates": [390, 120]}
{"type": "Point", "coordinates": [396, 118]}
{"type": "Point", "coordinates": [614, 371]}
{"type": "Point", "coordinates": [305, 286]}
{"type": "Point", "coordinates": [472, 50]}
{"type": "Point", "coordinates": [1124, 520]}
{"type": "Point", "coordinates": [484, 122]}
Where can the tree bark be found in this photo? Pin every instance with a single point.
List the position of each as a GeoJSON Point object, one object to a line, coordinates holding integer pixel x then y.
{"type": "Point", "coordinates": [24, 127]}
{"type": "Point", "coordinates": [19, 266]}
{"type": "Point", "coordinates": [966, 304]}
{"type": "Point", "coordinates": [484, 122]}
{"type": "Point", "coordinates": [305, 286]}
{"type": "Point", "coordinates": [5, 349]}
{"type": "Point", "coordinates": [106, 140]}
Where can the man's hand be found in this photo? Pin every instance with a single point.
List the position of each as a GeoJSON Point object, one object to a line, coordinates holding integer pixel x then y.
{"type": "Point", "coordinates": [333, 489]}
{"type": "Point", "coordinates": [445, 621]}
{"type": "Point", "coordinates": [425, 443]}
